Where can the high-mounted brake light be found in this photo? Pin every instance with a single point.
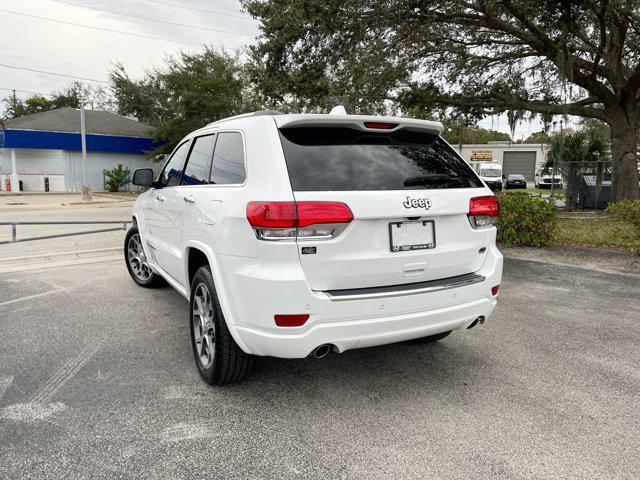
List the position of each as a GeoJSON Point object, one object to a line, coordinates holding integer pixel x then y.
{"type": "Point", "coordinates": [286, 220]}
{"type": "Point", "coordinates": [483, 211]}
{"type": "Point", "coordinates": [380, 125]}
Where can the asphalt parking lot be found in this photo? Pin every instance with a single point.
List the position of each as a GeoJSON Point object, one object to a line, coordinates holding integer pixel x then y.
{"type": "Point", "coordinates": [97, 381]}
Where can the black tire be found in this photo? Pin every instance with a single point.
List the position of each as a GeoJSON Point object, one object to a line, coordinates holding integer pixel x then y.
{"type": "Point", "coordinates": [134, 265]}
{"type": "Point", "coordinates": [226, 363]}
{"type": "Point", "coordinates": [433, 338]}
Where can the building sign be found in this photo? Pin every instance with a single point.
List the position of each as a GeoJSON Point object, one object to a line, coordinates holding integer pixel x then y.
{"type": "Point", "coordinates": [481, 155]}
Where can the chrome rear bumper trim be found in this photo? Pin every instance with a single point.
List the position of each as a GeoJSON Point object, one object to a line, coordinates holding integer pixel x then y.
{"type": "Point", "coordinates": [404, 289]}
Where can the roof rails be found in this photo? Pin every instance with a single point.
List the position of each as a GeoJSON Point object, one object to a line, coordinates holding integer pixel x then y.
{"type": "Point", "coordinates": [258, 113]}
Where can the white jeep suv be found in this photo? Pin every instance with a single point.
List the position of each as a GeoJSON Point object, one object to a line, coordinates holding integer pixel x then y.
{"type": "Point", "coordinates": [295, 235]}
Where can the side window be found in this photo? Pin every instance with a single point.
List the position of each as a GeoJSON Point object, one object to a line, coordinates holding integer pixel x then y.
{"type": "Point", "coordinates": [228, 159]}
{"type": "Point", "coordinates": [170, 176]}
{"type": "Point", "coordinates": [199, 163]}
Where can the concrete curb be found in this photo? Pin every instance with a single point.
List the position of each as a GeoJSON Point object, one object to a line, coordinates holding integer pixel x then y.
{"type": "Point", "coordinates": [58, 257]}
{"type": "Point", "coordinates": [59, 264]}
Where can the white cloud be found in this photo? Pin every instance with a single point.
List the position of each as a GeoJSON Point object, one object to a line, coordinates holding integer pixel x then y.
{"type": "Point", "coordinates": [57, 47]}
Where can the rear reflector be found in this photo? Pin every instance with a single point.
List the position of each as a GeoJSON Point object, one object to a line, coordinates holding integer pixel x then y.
{"type": "Point", "coordinates": [484, 206]}
{"type": "Point", "coordinates": [380, 126]}
{"type": "Point", "coordinates": [494, 290]}
{"type": "Point", "coordinates": [296, 214]}
{"type": "Point", "coordinates": [291, 320]}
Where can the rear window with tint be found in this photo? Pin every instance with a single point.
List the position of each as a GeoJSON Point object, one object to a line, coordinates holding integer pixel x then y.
{"type": "Point", "coordinates": [340, 159]}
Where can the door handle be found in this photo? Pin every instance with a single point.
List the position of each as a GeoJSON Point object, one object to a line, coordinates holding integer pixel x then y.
{"type": "Point", "coordinates": [189, 199]}
{"type": "Point", "coordinates": [160, 198]}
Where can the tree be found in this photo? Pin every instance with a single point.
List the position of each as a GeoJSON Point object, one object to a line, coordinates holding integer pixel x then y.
{"type": "Point", "coordinates": [471, 134]}
{"type": "Point", "coordinates": [116, 178]}
{"type": "Point", "coordinates": [189, 92]}
{"type": "Point", "coordinates": [537, 137]}
{"type": "Point", "coordinates": [573, 154]}
{"type": "Point", "coordinates": [77, 95]}
{"type": "Point", "coordinates": [550, 57]}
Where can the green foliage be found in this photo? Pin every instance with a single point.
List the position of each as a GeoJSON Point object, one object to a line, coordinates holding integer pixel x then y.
{"type": "Point", "coordinates": [628, 211]}
{"type": "Point", "coordinates": [190, 91]}
{"type": "Point", "coordinates": [537, 137]}
{"type": "Point", "coordinates": [471, 134]}
{"type": "Point", "coordinates": [526, 220]}
{"type": "Point", "coordinates": [576, 153]}
{"type": "Point", "coordinates": [116, 178]}
{"type": "Point", "coordinates": [76, 95]}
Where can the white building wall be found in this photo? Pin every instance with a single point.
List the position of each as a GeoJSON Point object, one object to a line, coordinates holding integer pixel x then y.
{"type": "Point", "coordinates": [96, 163]}
{"type": "Point", "coordinates": [64, 168]}
{"type": "Point", "coordinates": [32, 166]}
{"type": "Point", "coordinates": [496, 151]}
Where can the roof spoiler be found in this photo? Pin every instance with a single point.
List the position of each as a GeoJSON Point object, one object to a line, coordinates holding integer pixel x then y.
{"type": "Point", "coordinates": [366, 123]}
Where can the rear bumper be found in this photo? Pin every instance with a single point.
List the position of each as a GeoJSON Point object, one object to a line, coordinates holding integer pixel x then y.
{"type": "Point", "coordinates": [346, 335]}
{"type": "Point", "coordinates": [256, 292]}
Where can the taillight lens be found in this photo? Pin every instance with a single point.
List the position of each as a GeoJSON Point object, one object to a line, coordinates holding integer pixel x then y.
{"type": "Point", "coordinates": [495, 289]}
{"type": "Point", "coordinates": [286, 220]}
{"type": "Point", "coordinates": [483, 211]}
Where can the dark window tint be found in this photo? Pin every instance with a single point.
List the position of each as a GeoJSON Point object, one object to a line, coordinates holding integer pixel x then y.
{"type": "Point", "coordinates": [170, 176]}
{"type": "Point", "coordinates": [199, 164]}
{"type": "Point", "coordinates": [228, 159]}
{"type": "Point", "coordinates": [325, 159]}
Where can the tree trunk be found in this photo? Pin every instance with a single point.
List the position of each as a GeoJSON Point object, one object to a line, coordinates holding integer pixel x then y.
{"type": "Point", "coordinates": [624, 152]}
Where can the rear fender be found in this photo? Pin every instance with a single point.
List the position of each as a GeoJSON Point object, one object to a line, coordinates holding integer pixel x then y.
{"type": "Point", "coordinates": [223, 295]}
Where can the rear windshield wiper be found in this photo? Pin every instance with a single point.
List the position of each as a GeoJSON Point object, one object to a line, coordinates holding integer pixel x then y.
{"type": "Point", "coordinates": [431, 179]}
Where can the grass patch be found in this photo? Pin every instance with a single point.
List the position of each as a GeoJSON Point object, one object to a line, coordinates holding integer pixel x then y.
{"type": "Point", "coordinates": [120, 194]}
{"type": "Point", "coordinates": [603, 231]}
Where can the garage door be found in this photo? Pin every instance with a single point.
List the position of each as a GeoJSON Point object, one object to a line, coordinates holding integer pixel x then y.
{"type": "Point", "coordinates": [523, 163]}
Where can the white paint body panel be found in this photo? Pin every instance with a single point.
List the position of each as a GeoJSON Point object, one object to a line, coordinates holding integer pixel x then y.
{"type": "Point", "coordinates": [257, 279]}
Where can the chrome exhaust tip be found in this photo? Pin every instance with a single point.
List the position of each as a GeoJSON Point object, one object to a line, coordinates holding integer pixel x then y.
{"type": "Point", "coordinates": [321, 351]}
{"type": "Point", "coordinates": [479, 320]}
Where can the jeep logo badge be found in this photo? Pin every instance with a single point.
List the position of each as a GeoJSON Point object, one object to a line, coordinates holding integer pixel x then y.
{"type": "Point", "coordinates": [417, 203]}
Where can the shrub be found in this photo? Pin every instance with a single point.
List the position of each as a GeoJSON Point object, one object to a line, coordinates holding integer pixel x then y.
{"type": "Point", "coordinates": [116, 178]}
{"type": "Point", "coordinates": [526, 220]}
{"type": "Point", "coordinates": [627, 211]}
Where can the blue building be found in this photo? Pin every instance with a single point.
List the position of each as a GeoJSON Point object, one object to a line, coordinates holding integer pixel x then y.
{"type": "Point", "coordinates": [49, 145]}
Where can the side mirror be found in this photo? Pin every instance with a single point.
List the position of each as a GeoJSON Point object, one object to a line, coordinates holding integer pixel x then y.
{"type": "Point", "coordinates": [143, 177]}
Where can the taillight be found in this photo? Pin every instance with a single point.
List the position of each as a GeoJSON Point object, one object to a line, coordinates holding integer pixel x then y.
{"type": "Point", "coordinates": [287, 220]}
{"type": "Point", "coordinates": [495, 289]}
{"type": "Point", "coordinates": [483, 211]}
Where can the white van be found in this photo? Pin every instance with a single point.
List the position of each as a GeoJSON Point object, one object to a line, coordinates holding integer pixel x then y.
{"type": "Point", "coordinates": [491, 174]}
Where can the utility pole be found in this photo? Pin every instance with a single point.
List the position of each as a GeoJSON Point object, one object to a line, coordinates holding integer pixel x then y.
{"type": "Point", "coordinates": [15, 104]}
{"type": "Point", "coordinates": [86, 195]}
{"type": "Point", "coordinates": [553, 172]}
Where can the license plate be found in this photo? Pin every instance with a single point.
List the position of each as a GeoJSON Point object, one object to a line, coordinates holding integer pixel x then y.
{"type": "Point", "coordinates": [413, 235]}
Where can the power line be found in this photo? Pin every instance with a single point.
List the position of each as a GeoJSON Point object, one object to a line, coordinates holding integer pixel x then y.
{"type": "Point", "coordinates": [148, 19]}
{"type": "Point", "coordinates": [52, 73]}
{"type": "Point", "coordinates": [98, 28]}
{"type": "Point", "coordinates": [199, 9]}
{"type": "Point", "coordinates": [27, 91]}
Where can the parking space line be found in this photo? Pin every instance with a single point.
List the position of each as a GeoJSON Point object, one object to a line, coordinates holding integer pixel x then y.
{"type": "Point", "coordinates": [46, 392]}
{"type": "Point", "coordinates": [37, 295]}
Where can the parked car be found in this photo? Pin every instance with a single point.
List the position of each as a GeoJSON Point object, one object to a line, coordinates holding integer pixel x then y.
{"type": "Point", "coordinates": [297, 235]}
{"type": "Point", "coordinates": [491, 174]}
{"type": "Point", "coordinates": [545, 178]}
{"type": "Point", "coordinates": [514, 180]}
